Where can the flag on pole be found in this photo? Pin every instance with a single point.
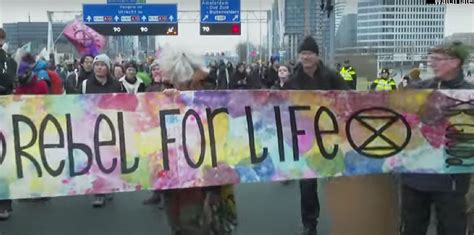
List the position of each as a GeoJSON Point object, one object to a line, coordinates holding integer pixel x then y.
{"type": "Point", "coordinates": [26, 47]}
{"type": "Point", "coordinates": [86, 40]}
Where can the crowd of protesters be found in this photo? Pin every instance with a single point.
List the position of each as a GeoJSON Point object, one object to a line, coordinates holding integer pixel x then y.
{"type": "Point", "coordinates": [212, 210]}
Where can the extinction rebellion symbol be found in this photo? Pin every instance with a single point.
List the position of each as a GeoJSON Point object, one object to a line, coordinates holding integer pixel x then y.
{"type": "Point", "coordinates": [378, 132]}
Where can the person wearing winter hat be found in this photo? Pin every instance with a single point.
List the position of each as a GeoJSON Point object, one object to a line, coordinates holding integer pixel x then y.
{"type": "Point", "coordinates": [445, 191]}
{"type": "Point", "coordinates": [102, 82]}
{"type": "Point", "coordinates": [130, 82]}
{"type": "Point", "coordinates": [312, 74]}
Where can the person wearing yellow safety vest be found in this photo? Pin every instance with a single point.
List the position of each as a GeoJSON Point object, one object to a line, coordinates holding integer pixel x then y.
{"type": "Point", "coordinates": [349, 74]}
{"type": "Point", "coordinates": [384, 83]}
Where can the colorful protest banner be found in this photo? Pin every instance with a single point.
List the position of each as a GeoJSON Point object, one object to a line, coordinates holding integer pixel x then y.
{"type": "Point", "coordinates": [74, 145]}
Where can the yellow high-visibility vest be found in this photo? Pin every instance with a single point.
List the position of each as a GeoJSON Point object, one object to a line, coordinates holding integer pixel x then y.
{"type": "Point", "coordinates": [347, 73]}
{"type": "Point", "coordinates": [384, 85]}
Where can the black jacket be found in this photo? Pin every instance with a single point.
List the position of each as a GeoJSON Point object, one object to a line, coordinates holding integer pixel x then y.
{"type": "Point", "coordinates": [158, 86]}
{"type": "Point", "coordinates": [239, 81]}
{"type": "Point", "coordinates": [437, 182]}
{"type": "Point", "coordinates": [278, 86]}
{"type": "Point", "coordinates": [95, 87]}
{"type": "Point", "coordinates": [271, 77]}
{"type": "Point", "coordinates": [223, 77]}
{"type": "Point", "coordinates": [324, 79]}
{"type": "Point", "coordinates": [8, 76]}
{"type": "Point", "coordinates": [74, 81]}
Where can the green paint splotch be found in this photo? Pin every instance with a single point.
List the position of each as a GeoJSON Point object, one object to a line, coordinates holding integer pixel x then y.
{"type": "Point", "coordinates": [323, 166]}
{"type": "Point", "coordinates": [142, 175]}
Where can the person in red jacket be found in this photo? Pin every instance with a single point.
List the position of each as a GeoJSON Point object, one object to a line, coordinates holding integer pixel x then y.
{"type": "Point", "coordinates": [56, 86]}
{"type": "Point", "coordinates": [28, 82]}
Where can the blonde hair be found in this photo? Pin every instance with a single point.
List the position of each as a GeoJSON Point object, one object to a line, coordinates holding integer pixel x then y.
{"type": "Point", "coordinates": [179, 65]}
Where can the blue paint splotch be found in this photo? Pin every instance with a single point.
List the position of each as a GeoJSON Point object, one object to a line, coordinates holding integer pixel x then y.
{"type": "Point", "coordinates": [266, 169]}
{"type": "Point", "coordinates": [251, 173]}
{"type": "Point", "coordinates": [356, 164]}
{"type": "Point", "coordinates": [246, 174]}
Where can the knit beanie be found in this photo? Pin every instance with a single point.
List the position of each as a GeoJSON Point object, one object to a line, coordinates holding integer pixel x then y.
{"type": "Point", "coordinates": [103, 58]}
{"type": "Point", "coordinates": [455, 49]}
{"type": "Point", "coordinates": [309, 44]}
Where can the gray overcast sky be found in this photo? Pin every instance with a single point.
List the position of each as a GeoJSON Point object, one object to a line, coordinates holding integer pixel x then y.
{"type": "Point", "coordinates": [459, 18]}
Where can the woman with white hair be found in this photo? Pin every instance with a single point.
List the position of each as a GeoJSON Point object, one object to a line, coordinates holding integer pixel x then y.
{"type": "Point", "coordinates": [195, 210]}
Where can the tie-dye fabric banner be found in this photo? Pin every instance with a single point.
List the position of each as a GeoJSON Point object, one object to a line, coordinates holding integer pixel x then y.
{"type": "Point", "coordinates": [73, 145]}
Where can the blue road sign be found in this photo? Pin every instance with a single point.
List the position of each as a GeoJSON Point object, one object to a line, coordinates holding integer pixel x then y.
{"type": "Point", "coordinates": [125, 1]}
{"type": "Point", "coordinates": [130, 13]}
{"type": "Point", "coordinates": [220, 11]}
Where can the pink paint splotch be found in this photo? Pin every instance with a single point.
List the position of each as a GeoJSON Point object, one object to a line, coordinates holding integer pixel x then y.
{"type": "Point", "coordinates": [435, 133]}
{"type": "Point", "coordinates": [124, 102]}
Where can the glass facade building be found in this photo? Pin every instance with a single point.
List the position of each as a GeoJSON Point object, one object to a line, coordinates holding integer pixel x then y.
{"type": "Point", "coordinates": [399, 29]}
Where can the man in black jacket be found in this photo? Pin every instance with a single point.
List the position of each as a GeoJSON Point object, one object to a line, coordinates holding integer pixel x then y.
{"type": "Point", "coordinates": [312, 74]}
{"type": "Point", "coordinates": [446, 192]}
{"type": "Point", "coordinates": [74, 80]}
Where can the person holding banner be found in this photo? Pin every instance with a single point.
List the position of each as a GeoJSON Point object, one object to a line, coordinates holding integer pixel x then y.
{"type": "Point", "coordinates": [446, 192]}
{"type": "Point", "coordinates": [195, 211]}
{"type": "Point", "coordinates": [158, 84]}
{"type": "Point", "coordinates": [102, 82]}
{"type": "Point", "coordinates": [312, 74]}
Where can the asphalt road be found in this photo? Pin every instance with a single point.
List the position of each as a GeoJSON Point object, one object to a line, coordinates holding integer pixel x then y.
{"type": "Point", "coordinates": [263, 209]}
